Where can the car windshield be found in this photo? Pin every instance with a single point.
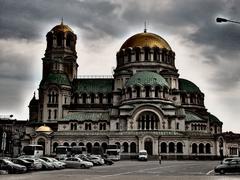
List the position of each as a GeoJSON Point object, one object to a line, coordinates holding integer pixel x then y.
{"type": "Point", "coordinates": [8, 161]}
{"type": "Point", "coordinates": [142, 153]}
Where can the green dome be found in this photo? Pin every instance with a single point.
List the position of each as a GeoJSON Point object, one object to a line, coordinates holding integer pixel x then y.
{"type": "Point", "coordinates": [213, 119]}
{"type": "Point", "coordinates": [147, 78]}
{"type": "Point", "coordinates": [188, 86]}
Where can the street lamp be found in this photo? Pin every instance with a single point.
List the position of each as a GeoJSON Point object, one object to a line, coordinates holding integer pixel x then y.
{"type": "Point", "coordinates": [223, 20]}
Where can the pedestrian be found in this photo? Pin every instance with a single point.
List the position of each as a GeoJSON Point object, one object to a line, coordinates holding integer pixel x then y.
{"type": "Point", "coordinates": [160, 159]}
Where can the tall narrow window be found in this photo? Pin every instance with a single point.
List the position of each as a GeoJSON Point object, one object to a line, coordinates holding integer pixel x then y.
{"type": "Point", "coordinates": [100, 97]}
{"type": "Point", "coordinates": [138, 89]}
{"type": "Point", "coordinates": [84, 98]}
{"type": "Point", "coordinates": [55, 114]}
{"type": "Point", "coordinates": [92, 96]}
{"type": "Point", "coordinates": [109, 98]}
{"type": "Point", "coordinates": [59, 39]}
{"type": "Point", "coordinates": [147, 91]}
{"type": "Point", "coordinates": [49, 114]}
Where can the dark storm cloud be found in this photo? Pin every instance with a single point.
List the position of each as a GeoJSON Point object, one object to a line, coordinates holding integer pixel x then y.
{"type": "Point", "coordinates": [25, 19]}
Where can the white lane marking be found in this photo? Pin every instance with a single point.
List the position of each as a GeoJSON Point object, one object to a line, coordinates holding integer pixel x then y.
{"type": "Point", "coordinates": [209, 172]}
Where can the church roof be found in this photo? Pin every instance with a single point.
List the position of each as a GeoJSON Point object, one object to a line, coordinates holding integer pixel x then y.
{"type": "Point", "coordinates": [145, 39]}
{"type": "Point", "coordinates": [193, 117]}
{"type": "Point", "coordinates": [43, 128]}
{"type": "Point", "coordinates": [147, 78]}
{"type": "Point", "coordinates": [214, 119]}
{"type": "Point", "coordinates": [188, 86]}
{"type": "Point", "coordinates": [93, 85]}
{"type": "Point", "coordinates": [56, 78]}
{"type": "Point", "coordinates": [88, 115]}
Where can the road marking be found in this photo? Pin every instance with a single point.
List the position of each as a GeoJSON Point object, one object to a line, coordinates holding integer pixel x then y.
{"type": "Point", "coordinates": [209, 172]}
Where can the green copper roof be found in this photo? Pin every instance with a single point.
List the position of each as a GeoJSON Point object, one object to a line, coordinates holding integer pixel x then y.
{"type": "Point", "coordinates": [188, 86]}
{"type": "Point", "coordinates": [214, 119]}
{"type": "Point", "coordinates": [93, 85]}
{"type": "Point", "coordinates": [192, 117]}
{"type": "Point", "coordinates": [147, 78]}
{"type": "Point", "coordinates": [56, 78]}
{"type": "Point", "coordinates": [92, 116]}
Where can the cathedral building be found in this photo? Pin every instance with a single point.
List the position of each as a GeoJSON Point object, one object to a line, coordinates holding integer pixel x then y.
{"type": "Point", "coordinates": [144, 105]}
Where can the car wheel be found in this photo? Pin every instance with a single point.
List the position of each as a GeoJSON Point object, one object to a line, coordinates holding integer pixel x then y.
{"type": "Point", "coordinates": [222, 171]}
{"type": "Point", "coordinates": [83, 166]}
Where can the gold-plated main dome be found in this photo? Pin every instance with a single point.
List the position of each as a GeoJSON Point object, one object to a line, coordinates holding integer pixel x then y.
{"type": "Point", "coordinates": [62, 28]}
{"type": "Point", "coordinates": [44, 128]}
{"type": "Point", "coordinates": [145, 40]}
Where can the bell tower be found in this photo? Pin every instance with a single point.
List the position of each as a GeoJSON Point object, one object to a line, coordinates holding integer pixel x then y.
{"type": "Point", "coordinates": [60, 55]}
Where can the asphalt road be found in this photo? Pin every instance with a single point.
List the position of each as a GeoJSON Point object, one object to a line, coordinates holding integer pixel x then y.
{"type": "Point", "coordinates": [131, 170]}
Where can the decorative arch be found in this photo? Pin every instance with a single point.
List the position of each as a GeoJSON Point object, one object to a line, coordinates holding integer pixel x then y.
{"type": "Point", "coordinates": [96, 144]}
{"type": "Point", "coordinates": [194, 148]}
{"type": "Point", "coordinates": [73, 144]}
{"type": "Point", "coordinates": [171, 146]}
{"type": "Point", "coordinates": [42, 141]}
{"type": "Point", "coordinates": [208, 148]}
{"type": "Point", "coordinates": [179, 147]}
{"type": "Point", "coordinates": [55, 144]}
{"type": "Point", "coordinates": [133, 147]}
{"type": "Point", "coordinates": [81, 144]}
{"type": "Point", "coordinates": [89, 147]}
{"type": "Point", "coordinates": [147, 118]}
{"type": "Point", "coordinates": [66, 144]}
{"type": "Point", "coordinates": [125, 147]}
{"type": "Point", "coordinates": [201, 148]}
{"type": "Point", "coordinates": [104, 146]}
{"type": "Point", "coordinates": [163, 147]}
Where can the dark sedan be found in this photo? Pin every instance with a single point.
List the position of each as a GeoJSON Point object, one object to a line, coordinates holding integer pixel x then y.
{"type": "Point", "coordinates": [29, 165]}
{"type": "Point", "coordinates": [6, 164]}
{"type": "Point", "coordinates": [232, 166]}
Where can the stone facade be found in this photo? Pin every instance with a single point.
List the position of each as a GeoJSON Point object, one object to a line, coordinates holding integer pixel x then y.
{"type": "Point", "coordinates": [145, 105]}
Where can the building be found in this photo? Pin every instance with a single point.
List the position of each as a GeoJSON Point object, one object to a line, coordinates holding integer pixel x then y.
{"type": "Point", "coordinates": [145, 105]}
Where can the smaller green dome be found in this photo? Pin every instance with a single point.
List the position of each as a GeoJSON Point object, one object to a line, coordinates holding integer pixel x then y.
{"type": "Point", "coordinates": [188, 86]}
{"type": "Point", "coordinates": [213, 119]}
{"type": "Point", "coordinates": [147, 78]}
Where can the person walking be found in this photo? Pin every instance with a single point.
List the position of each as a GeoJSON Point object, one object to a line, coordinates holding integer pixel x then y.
{"type": "Point", "coordinates": [160, 158]}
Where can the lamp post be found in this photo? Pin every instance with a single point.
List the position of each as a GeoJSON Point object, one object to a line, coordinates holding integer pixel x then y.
{"type": "Point", "coordinates": [223, 20]}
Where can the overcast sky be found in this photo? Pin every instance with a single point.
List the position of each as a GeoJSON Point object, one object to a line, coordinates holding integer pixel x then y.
{"type": "Point", "coordinates": [207, 53]}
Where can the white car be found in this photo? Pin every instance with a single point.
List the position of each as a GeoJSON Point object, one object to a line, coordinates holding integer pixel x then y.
{"type": "Point", "coordinates": [74, 162]}
{"type": "Point", "coordinates": [96, 160]}
{"type": "Point", "coordinates": [142, 156]}
{"type": "Point", "coordinates": [57, 164]}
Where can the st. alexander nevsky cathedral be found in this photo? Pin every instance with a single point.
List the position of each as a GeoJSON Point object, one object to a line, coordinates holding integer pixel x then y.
{"type": "Point", "coordinates": [144, 105]}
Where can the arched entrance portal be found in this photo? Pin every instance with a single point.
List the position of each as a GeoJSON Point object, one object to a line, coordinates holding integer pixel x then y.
{"type": "Point", "coordinates": [148, 146]}
{"type": "Point", "coordinates": [41, 141]}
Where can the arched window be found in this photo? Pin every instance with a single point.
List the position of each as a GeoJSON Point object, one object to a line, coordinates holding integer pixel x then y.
{"type": "Point", "coordinates": [179, 147]}
{"type": "Point", "coordinates": [104, 146]}
{"type": "Point", "coordinates": [54, 146]}
{"type": "Point", "coordinates": [129, 91]}
{"type": "Point", "coordinates": [89, 147]}
{"type": "Point", "coordinates": [96, 144]}
{"type": "Point", "coordinates": [133, 147]}
{"type": "Point", "coordinates": [65, 144]}
{"type": "Point", "coordinates": [49, 40]}
{"type": "Point", "coordinates": [171, 147]}
{"type": "Point", "coordinates": [84, 98]}
{"type": "Point", "coordinates": [201, 148]}
{"type": "Point", "coordinates": [73, 144]}
{"type": "Point", "coordinates": [88, 126]}
{"type": "Point", "coordinates": [208, 148]}
{"type": "Point", "coordinates": [137, 53]}
{"type": "Point", "coordinates": [146, 54]}
{"type": "Point", "coordinates": [59, 39]}
{"type": "Point", "coordinates": [49, 113]}
{"type": "Point", "coordinates": [194, 148]}
{"type": "Point", "coordinates": [156, 55]}
{"type": "Point", "coordinates": [148, 121]}
{"type": "Point", "coordinates": [81, 144]}
{"type": "Point", "coordinates": [147, 91]}
{"type": "Point", "coordinates": [129, 55]}
{"type": "Point", "coordinates": [92, 97]}
{"type": "Point", "coordinates": [100, 97]}
{"type": "Point", "coordinates": [125, 147]}
{"type": "Point", "coordinates": [138, 91]}
{"type": "Point", "coordinates": [109, 98]}
{"type": "Point", "coordinates": [157, 89]}
{"type": "Point", "coordinates": [163, 147]}
{"type": "Point", "coordinates": [69, 40]}
{"type": "Point", "coordinates": [118, 144]}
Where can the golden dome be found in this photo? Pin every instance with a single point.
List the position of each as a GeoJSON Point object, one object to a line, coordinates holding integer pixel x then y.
{"type": "Point", "coordinates": [145, 40]}
{"type": "Point", "coordinates": [62, 28]}
{"type": "Point", "coordinates": [43, 128]}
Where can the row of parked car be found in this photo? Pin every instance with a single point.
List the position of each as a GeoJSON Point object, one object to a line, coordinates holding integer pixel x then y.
{"type": "Point", "coordinates": [23, 164]}
{"type": "Point", "coordinates": [228, 165]}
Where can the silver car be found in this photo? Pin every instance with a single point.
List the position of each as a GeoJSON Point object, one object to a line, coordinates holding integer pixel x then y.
{"type": "Point", "coordinates": [74, 162]}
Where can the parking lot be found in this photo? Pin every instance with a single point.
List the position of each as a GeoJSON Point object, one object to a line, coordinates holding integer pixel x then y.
{"type": "Point", "coordinates": [132, 170]}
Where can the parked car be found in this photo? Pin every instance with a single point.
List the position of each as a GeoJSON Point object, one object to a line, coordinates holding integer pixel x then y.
{"type": "Point", "coordinates": [108, 161]}
{"type": "Point", "coordinates": [96, 160]}
{"type": "Point", "coordinates": [29, 165]}
{"type": "Point", "coordinates": [143, 156]}
{"type": "Point", "coordinates": [37, 165]}
{"type": "Point", "coordinates": [226, 160]}
{"type": "Point", "coordinates": [57, 164]}
{"type": "Point", "coordinates": [46, 165]}
{"type": "Point", "coordinates": [75, 162]}
{"type": "Point", "coordinates": [11, 167]}
{"type": "Point", "coordinates": [228, 166]}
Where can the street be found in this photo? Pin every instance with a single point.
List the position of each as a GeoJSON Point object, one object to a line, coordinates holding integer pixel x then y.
{"type": "Point", "coordinates": [127, 170]}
